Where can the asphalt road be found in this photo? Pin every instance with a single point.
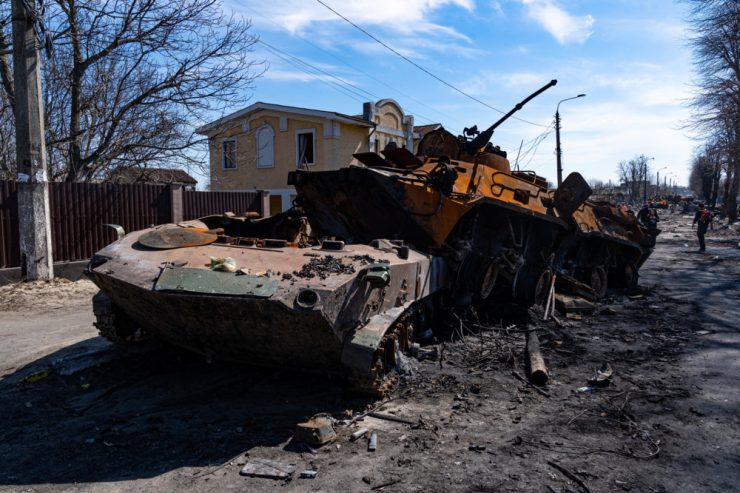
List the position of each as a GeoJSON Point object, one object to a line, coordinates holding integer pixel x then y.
{"type": "Point", "coordinates": [155, 419]}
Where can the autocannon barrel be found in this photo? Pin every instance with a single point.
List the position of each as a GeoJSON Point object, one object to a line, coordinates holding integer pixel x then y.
{"type": "Point", "coordinates": [484, 137]}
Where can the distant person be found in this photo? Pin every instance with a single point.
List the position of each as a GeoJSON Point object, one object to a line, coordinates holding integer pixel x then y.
{"type": "Point", "coordinates": [703, 218]}
{"type": "Point", "coordinates": [652, 220]}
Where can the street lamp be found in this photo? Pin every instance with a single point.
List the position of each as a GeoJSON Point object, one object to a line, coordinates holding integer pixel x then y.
{"type": "Point", "coordinates": [558, 153]}
{"type": "Point", "coordinates": [657, 180]}
{"type": "Point", "coordinates": [645, 177]}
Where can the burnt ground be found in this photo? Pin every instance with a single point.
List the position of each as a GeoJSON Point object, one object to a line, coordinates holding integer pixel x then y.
{"type": "Point", "coordinates": [80, 415]}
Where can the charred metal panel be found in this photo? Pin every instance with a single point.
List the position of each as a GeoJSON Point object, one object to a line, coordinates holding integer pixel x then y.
{"type": "Point", "coordinates": [204, 281]}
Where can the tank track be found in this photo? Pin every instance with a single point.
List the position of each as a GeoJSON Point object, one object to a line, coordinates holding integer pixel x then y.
{"type": "Point", "coordinates": [382, 376]}
{"type": "Point", "coordinates": [112, 323]}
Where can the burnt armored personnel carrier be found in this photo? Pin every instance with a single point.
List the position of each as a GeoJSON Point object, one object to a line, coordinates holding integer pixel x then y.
{"type": "Point", "coordinates": [456, 198]}
{"type": "Point", "coordinates": [265, 292]}
{"type": "Point", "coordinates": [499, 230]}
{"type": "Point", "coordinates": [604, 246]}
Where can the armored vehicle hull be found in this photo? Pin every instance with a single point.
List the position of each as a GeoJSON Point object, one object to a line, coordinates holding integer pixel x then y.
{"type": "Point", "coordinates": [332, 310]}
{"type": "Point", "coordinates": [606, 246]}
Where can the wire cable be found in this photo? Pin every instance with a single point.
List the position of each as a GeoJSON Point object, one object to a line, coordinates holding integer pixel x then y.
{"type": "Point", "coordinates": [377, 40]}
{"type": "Point", "coordinates": [353, 88]}
{"type": "Point", "coordinates": [378, 80]}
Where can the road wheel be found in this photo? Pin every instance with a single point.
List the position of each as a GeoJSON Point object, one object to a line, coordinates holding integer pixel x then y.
{"type": "Point", "coordinates": [531, 284]}
{"type": "Point", "coordinates": [112, 323]}
{"type": "Point", "coordinates": [598, 281]}
{"type": "Point", "coordinates": [624, 276]}
{"type": "Point", "coordinates": [630, 275]}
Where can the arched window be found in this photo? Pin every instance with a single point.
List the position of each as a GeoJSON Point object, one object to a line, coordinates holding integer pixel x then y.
{"type": "Point", "coordinates": [265, 137]}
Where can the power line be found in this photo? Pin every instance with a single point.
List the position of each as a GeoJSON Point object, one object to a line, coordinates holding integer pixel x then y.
{"type": "Point", "coordinates": [377, 40]}
{"type": "Point", "coordinates": [534, 145]}
{"type": "Point", "coordinates": [355, 89]}
{"type": "Point", "coordinates": [352, 88]}
{"type": "Point", "coordinates": [380, 81]}
{"type": "Point", "coordinates": [333, 85]}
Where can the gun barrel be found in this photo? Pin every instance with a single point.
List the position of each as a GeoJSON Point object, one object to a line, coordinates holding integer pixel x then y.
{"type": "Point", "coordinates": [485, 136]}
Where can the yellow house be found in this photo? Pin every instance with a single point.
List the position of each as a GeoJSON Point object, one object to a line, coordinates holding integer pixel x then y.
{"type": "Point", "coordinates": [256, 147]}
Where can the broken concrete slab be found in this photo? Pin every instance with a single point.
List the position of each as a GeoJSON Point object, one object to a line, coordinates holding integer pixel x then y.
{"type": "Point", "coordinates": [266, 468]}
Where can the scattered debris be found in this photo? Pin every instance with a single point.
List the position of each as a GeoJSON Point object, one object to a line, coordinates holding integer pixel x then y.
{"type": "Point", "coordinates": [316, 431]}
{"type": "Point", "coordinates": [323, 267]}
{"type": "Point", "coordinates": [359, 434]}
{"type": "Point", "coordinates": [372, 443]}
{"type": "Point", "coordinates": [530, 384]}
{"type": "Point", "coordinates": [602, 376]}
{"type": "Point", "coordinates": [537, 369]}
{"type": "Point", "coordinates": [574, 305]}
{"type": "Point", "coordinates": [266, 468]}
{"type": "Point", "coordinates": [383, 485]}
{"type": "Point", "coordinates": [309, 474]}
{"type": "Point", "coordinates": [224, 264]}
{"type": "Point", "coordinates": [390, 417]}
{"type": "Point", "coordinates": [569, 475]}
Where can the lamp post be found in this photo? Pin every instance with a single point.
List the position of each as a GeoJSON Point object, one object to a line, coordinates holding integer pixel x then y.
{"type": "Point", "coordinates": [558, 152]}
{"type": "Point", "coordinates": [657, 180]}
{"type": "Point", "coordinates": [645, 179]}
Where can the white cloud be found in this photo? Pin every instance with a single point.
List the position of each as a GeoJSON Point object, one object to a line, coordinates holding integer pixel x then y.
{"type": "Point", "coordinates": [564, 27]}
{"type": "Point", "coordinates": [409, 16]}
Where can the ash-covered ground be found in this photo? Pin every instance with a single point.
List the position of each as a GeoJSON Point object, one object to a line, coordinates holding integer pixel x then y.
{"type": "Point", "coordinates": [78, 414]}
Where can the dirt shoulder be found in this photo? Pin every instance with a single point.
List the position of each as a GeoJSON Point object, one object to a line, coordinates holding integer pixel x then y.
{"type": "Point", "coordinates": [163, 419]}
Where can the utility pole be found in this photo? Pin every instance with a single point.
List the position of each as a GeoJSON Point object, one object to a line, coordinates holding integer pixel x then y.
{"type": "Point", "coordinates": [33, 185]}
{"type": "Point", "coordinates": [557, 147]}
{"type": "Point", "coordinates": [558, 153]}
{"type": "Point", "coordinates": [645, 183]}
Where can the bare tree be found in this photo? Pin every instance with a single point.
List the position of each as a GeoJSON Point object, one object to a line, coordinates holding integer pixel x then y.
{"type": "Point", "coordinates": [633, 175]}
{"type": "Point", "coordinates": [130, 79]}
{"type": "Point", "coordinates": [716, 46]}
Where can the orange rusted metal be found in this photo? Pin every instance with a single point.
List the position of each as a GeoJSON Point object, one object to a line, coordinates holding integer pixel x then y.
{"type": "Point", "coordinates": [174, 237]}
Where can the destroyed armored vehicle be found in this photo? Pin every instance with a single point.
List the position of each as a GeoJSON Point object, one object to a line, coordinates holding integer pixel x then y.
{"type": "Point", "coordinates": [499, 231]}
{"type": "Point", "coordinates": [606, 246]}
{"type": "Point", "coordinates": [345, 281]}
{"type": "Point", "coordinates": [264, 292]}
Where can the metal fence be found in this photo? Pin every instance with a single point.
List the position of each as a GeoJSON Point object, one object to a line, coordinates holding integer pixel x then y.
{"type": "Point", "coordinates": [9, 241]}
{"type": "Point", "coordinates": [80, 211]}
{"type": "Point", "coordinates": [199, 204]}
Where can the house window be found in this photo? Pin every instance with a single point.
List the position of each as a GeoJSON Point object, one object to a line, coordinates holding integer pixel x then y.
{"type": "Point", "coordinates": [305, 148]}
{"type": "Point", "coordinates": [265, 137]}
{"type": "Point", "coordinates": [228, 154]}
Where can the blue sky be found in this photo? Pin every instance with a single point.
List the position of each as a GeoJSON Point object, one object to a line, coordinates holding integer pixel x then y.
{"type": "Point", "coordinates": [629, 56]}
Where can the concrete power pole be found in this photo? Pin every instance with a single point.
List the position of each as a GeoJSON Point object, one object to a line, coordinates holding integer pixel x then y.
{"type": "Point", "coordinates": [33, 185]}
{"type": "Point", "coordinates": [558, 153]}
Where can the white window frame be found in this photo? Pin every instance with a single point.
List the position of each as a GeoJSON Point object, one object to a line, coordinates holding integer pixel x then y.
{"type": "Point", "coordinates": [303, 131]}
{"type": "Point", "coordinates": [223, 154]}
{"type": "Point", "coordinates": [257, 146]}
